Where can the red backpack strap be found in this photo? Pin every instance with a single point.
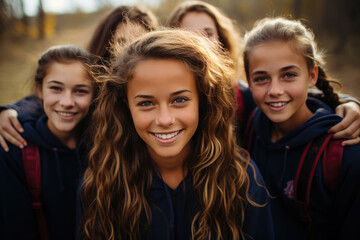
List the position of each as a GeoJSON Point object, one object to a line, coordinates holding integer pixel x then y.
{"type": "Point", "coordinates": [305, 173]}
{"type": "Point", "coordinates": [332, 163]}
{"type": "Point", "coordinates": [32, 168]}
{"type": "Point", "coordinates": [249, 131]}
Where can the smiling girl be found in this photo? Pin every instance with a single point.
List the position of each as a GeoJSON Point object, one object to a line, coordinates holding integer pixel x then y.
{"type": "Point", "coordinates": [66, 90]}
{"type": "Point", "coordinates": [165, 164]}
{"type": "Point", "coordinates": [281, 63]}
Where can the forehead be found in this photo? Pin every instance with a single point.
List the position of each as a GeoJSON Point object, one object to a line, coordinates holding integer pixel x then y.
{"type": "Point", "coordinates": [198, 21]}
{"type": "Point", "coordinates": [275, 54]}
{"type": "Point", "coordinates": [69, 73]}
{"type": "Point", "coordinates": [160, 76]}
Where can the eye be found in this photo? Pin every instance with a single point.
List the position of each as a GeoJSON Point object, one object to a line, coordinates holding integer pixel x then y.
{"type": "Point", "coordinates": [55, 88]}
{"type": "Point", "coordinates": [260, 79]}
{"type": "Point", "coordinates": [180, 100]}
{"type": "Point", "coordinates": [289, 75]}
{"type": "Point", "coordinates": [81, 91]}
{"type": "Point", "coordinates": [145, 104]}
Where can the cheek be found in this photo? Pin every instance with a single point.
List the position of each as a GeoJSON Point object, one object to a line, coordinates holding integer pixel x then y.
{"type": "Point", "coordinates": [258, 94]}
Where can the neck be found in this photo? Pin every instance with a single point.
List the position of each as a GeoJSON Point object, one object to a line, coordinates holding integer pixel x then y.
{"type": "Point", "coordinates": [279, 130]}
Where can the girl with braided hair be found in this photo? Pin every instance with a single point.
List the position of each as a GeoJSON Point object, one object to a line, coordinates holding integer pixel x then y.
{"type": "Point", "coordinates": [165, 163]}
{"type": "Point", "coordinates": [281, 62]}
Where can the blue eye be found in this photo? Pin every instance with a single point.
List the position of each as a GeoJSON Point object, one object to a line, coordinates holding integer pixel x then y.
{"type": "Point", "coordinates": [259, 79]}
{"type": "Point", "coordinates": [180, 100]}
{"type": "Point", "coordinates": [289, 75]}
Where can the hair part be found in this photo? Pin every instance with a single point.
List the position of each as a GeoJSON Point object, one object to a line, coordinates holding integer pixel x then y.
{"type": "Point", "coordinates": [301, 39]}
{"type": "Point", "coordinates": [118, 180]}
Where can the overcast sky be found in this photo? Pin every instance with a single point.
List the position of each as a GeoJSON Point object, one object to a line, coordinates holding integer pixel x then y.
{"type": "Point", "coordinates": [68, 6]}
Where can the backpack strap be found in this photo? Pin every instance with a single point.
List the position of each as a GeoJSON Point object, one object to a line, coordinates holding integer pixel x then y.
{"type": "Point", "coordinates": [332, 151]}
{"type": "Point", "coordinates": [249, 131]}
{"type": "Point", "coordinates": [332, 163]}
{"type": "Point", "coordinates": [32, 168]}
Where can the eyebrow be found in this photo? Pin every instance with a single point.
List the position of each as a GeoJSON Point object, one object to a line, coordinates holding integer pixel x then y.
{"type": "Point", "coordinates": [281, 70]}
{"type": "Point", "coordinates": [60, 83]}
{"type": "Point", "coordinates": [172, 94]}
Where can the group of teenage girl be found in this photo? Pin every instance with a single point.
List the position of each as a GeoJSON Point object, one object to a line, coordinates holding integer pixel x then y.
{"type": "Point", "coordinates": [142, 135]}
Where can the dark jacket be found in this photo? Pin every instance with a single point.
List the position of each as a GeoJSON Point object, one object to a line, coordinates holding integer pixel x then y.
{"type": "Point", "coordinates": [61, 170]}
{"type": "Point", "coordinates": [173, 210]}
{"type": "Point", "coordinates": [334, 215]}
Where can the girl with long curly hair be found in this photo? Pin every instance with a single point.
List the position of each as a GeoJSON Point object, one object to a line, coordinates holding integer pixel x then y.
{"type": "Point", "coordinates": [165, 163]}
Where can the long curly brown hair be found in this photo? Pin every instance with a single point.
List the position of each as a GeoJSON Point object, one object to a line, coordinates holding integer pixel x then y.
{"type": "Point", "coordinates": [117, 182]}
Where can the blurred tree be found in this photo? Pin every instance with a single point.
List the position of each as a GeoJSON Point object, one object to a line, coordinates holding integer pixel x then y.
{"type": "Point", "coordinates": [41, 20]}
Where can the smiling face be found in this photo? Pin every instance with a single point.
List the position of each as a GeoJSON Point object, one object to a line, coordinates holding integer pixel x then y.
{"type": "Point", "coordinates": [200, 21]}
{"type": "Point", "coordinates": [67, 93]}
{"type": "Point", "coordinates": [164, 104]}
{"type": "Point", "coordinates": [278, 80]}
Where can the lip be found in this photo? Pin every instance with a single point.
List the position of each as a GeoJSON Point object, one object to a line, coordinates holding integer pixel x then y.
{"type": "Point", "coordinates": [167, 137]}
{"type": "Point", "coordinates": [278, 105]}
{"type": "Point", "coordinates": [65, 115]}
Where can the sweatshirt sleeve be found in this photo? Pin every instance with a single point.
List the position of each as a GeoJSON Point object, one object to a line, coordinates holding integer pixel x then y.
{"type": "Point", "coordinates": [258, 223]}
{"type": "Point", "coordinates": [348, 197]}
{"type": "Point", "coordinates": [28, 108]}
{"type": "Point", "coordinates": [16, 217]}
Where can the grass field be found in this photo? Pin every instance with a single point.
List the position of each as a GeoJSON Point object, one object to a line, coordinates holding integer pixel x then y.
{"type": "Point", "coordinates": [18, 57]}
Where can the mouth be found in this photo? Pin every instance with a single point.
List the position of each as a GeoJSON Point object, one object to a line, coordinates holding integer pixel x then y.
{"type": "Point", "coordinates": [66, 114]}
{"type": "Point", "coordinates": [166, 136]}
{"type": "Point", "coordinates": [277, 104]}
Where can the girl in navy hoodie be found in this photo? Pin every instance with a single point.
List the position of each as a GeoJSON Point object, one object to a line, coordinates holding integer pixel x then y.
{"type": "Point", "coordinates": [281, 62]}
{"type": "Point", "coordinates": [66, 90]}
{"type": "Point", "coordinates": [165, 164]}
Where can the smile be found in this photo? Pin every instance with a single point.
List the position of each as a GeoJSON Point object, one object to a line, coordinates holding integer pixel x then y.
{"type": "Point", "coordinates": [66, 114]}
{"type": "Point", "coordinates": [278, 104]}
{"type": "Point", "coordinates": [166, 136]}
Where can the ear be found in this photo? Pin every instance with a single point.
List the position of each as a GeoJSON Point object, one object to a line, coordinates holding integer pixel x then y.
{"type": "Point", "coordinates": [314, 73]}
{"type": "Point", "coordinates": [39, 91]}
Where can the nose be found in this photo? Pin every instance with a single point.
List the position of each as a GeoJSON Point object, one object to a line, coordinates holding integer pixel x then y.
{"type": "Point", "coordinates": [275, 88]}
{"type": "Point", "coordinates": [67, 99]}
{"type": "Point", "coordinates": [165, 117]}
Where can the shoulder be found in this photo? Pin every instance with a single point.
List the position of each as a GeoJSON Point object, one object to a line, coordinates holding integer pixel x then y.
{"type": "Point", "coordinates": [11, 162]}
{"type": "Point", "coordinates": [351, 159]}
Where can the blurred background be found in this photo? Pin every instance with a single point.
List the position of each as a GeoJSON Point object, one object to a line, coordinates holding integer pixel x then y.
{"type": "Point", "coordinates": [29, 27]}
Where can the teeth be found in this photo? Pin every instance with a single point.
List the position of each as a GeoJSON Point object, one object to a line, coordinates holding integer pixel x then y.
{"type": "Point", "coordinates": [278, 104]}
{"type": "Point", "coordinates": [65, 114]}
{"type": "Point", "coordinates": [167, 136]}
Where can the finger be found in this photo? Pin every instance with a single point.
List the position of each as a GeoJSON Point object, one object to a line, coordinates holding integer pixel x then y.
{"type": "Point", "coordinates": [351, 142]}
{"type": "Point", "coordinates": [3, 144]}
{"type": "Point", "coordinates": [341, 125]}
{"type": "Point", "coordinates": [351, 132]}
{"type": "Point", "coordinates": [14, 121]}
{"type": "Point", "coordinates": [340, 111]}
{"type": "Point", "coordinates": [14, 138]}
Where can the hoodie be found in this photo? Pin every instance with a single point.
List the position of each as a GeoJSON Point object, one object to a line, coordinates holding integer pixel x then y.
{"type": "Point", "coordinates": [174, 209]}
{"type": "Point", "coordinates": [334, 215]}
{"type": "Point", "coordinates": [61, 169]}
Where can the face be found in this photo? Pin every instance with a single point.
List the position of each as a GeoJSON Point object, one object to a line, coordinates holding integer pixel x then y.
{"type": "Point", "coordinates": [67, 93]}
{"type": "Point", "coordinates": [200, 21]}
{"type": "Point", "coordinates": [125, 30]}
{"type": "Point", "coordinates": [279, 81]}
{"type": "Point", "coordinates": [164, 105]}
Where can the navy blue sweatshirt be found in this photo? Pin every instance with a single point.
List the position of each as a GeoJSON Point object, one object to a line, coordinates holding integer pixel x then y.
{"type": "Point", "coordinates": [61, 170]}
{"type": "Point", "coordinates": [334, 216]}
{"type": "Point", "coordinates": [173, 210]}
